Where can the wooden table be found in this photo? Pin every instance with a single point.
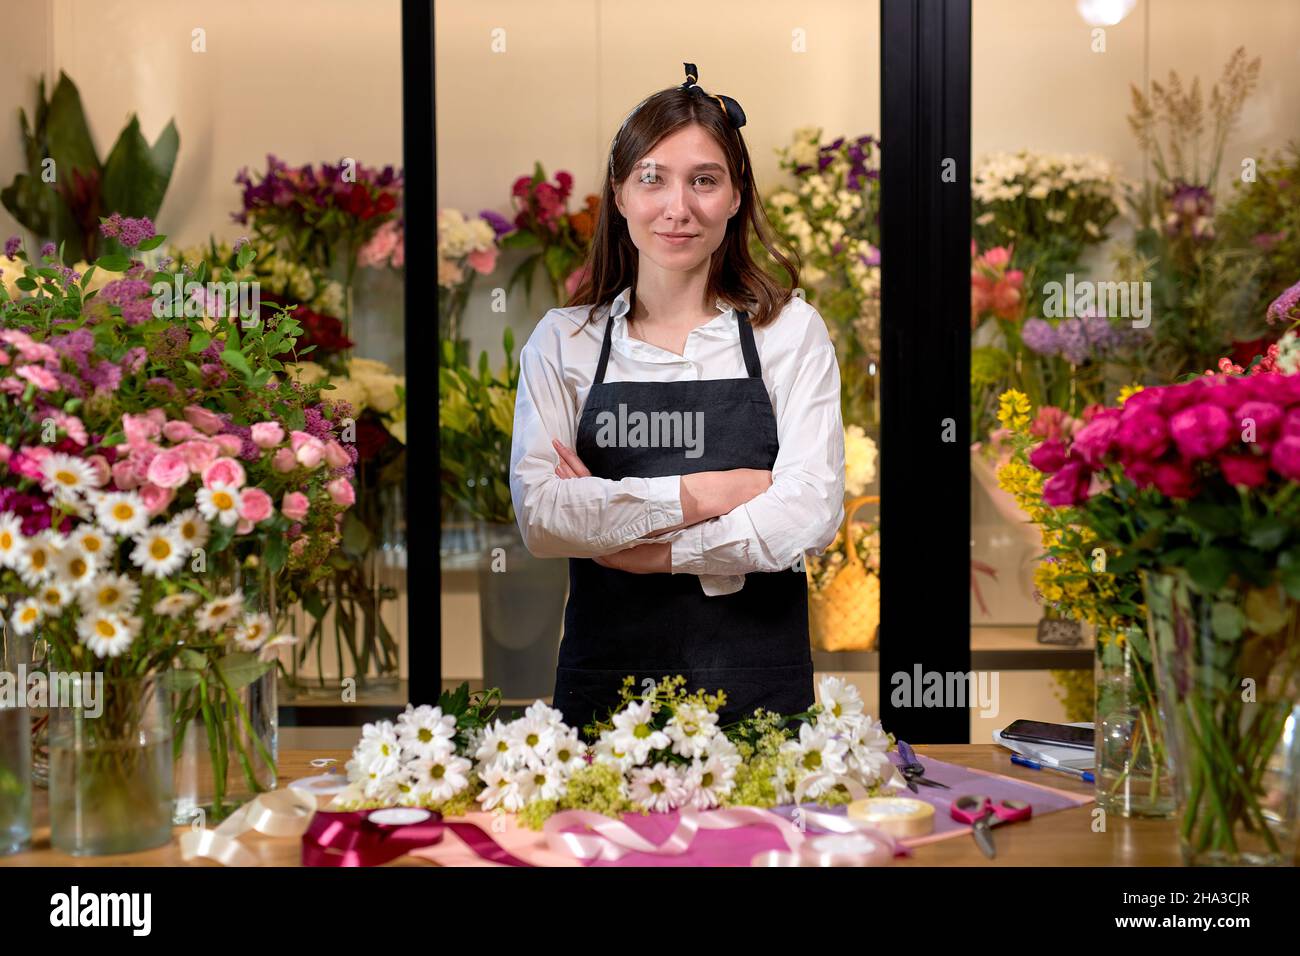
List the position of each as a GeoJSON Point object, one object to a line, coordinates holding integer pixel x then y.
{"type": "Point", "coordinates": [1064, 838]}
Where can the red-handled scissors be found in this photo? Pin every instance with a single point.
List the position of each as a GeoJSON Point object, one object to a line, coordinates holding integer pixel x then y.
{"type": "Point", "coordinates": [976, 809]}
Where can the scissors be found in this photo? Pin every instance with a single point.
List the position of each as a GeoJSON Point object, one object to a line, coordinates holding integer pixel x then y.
{"type": "Point", "coordinates": [976, 809]}
{"type": "Point", "coordinates": [913, 771]}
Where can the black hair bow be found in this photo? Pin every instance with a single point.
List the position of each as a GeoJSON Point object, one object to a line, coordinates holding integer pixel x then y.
{"type": "Point", "coordinates": [729, 106]}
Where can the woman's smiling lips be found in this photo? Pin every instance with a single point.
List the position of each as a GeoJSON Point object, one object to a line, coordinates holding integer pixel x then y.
{"type": "Point", "coordinates": [676, 238]}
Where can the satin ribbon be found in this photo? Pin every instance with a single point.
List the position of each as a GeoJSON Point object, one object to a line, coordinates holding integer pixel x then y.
{"type": "Point", "coordinates": [351, 838]}
{"type": "Point", "coordinates": [281, 813]}
{"type": "Point", "coordinates": [612, 839]}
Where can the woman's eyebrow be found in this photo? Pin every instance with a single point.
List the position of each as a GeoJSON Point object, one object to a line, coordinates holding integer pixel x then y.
{"type": "Point", "coordinates": [658, 165]}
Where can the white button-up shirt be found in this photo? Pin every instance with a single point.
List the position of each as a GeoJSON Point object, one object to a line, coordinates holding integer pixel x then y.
{"type": "Point", "coordinates": [588, 517]}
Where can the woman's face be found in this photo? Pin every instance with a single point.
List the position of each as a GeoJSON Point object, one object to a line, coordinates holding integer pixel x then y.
{"type": "Point", "coordinates": [678, 198]}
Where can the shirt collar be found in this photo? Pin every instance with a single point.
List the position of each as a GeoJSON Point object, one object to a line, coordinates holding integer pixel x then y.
{"type": "Point", "coordinates": [623, 302]}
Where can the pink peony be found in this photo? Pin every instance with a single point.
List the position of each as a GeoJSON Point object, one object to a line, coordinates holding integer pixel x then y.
{"type": "Point", "coordinates": [1174, 479]}
{"type": "Point", "coordinates": [169, 469]}
{"type": "Point", "coordinates": [1067, 487]}
{"type": "Point", "coordinates": [335, 455]}
{"type": "Point", "coordinates": [284, 461]}
{"type": "Point", "coordinates": [124, 476]}
{"type": "Point", "coordinates": [1248, 470]}
{"type": "Point", "coordinates": [224, 471]}
{"type": "Point", "coordinates": [267, 434]}
{"type": "Point", "coordinates": [308, 449]}
{"type": "Point", "coordinates": [1141, 435]}
{"type": "Point", "coordinates": [295, 505]}
{"type": "Point", "coordinates": [180, 431]}
{"type": "Point", "coordinates": [1285, 457]}
{"type": "Point", "coordinates": [341, 492]}
{"type": "Point", "coordinates": [1267, 419]}
{"type": "Point", "coordinates": [255, 505]}
{"type": "Point", "coordinates": [205, 421]}
{"type": "Point", "coordinates": [1049, 457]}
{"type": "Point", "coordinates": [156, 499]}
{"type": "Point", "coordinates": [1200, 431]}
{"type": "Point", "coordinates": [1094, 439]}
{"type": "Point", "coordinates": [198, 453]}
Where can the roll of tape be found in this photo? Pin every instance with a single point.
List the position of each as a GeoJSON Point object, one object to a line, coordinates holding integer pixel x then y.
{"type": "Point", "coordinates": [897, 816]}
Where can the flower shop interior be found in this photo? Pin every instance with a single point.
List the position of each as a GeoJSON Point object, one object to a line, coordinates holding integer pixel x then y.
{"type": "Point", "coordinates": [1110, 188]}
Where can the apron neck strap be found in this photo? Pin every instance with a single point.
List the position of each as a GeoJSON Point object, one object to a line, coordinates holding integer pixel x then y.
{"type": "Point", "coordinates": [747, 348]}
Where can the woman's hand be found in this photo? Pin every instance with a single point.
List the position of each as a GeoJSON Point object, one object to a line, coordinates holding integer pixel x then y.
{"type": "Point", "coordinates": [570, 465]}
{"type": "Point", "coordinates": [642, 559]}
{"type": "Point", "coordinates": [708, 494]}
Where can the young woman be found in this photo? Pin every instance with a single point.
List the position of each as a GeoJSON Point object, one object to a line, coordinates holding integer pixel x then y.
{"type": "Point", "coordinates": [677, 430]}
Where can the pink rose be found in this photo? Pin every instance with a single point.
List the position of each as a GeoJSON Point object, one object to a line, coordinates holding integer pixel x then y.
{"type": "Point", "coordinates": [482, 261]}
{"type": "Point", "coordinates": [205, 421]}
{"type": "Point", "coordinates": [1141, 435]}
{"type": "Point", "coordinates": [156, 499]}
{"type": "Point", "coordinates": [1266, 418]}
{"type": "Point", "coordinates": [1049, 457]}
{"type": "Point", "coordinates": [267, 434]}
{"type": "Point", "coordinates": [124, 476]}
{"type": "Point", "coordinates": [141, 458]}
{"type": "Point", "coordinates": [341, 492]}
{"type": "Point", "coordinates": [169, 470]}
{"type": "Point", "coordinates": [198, 453]}
{"type": "Point", "coordinates": [255, 505]}
{"type": "Point", "coordinates": [180, 431]}
{"type": "Point", "coordinates": [1094, 439]}
{"type": "Point", "coordinates": [1200, 431]}
{"type": "Point", "coordinates": [1067, 487]}
{"type": "Point", "coordinates": [230, 445]}
{"type": "Point", "coordinates": [1285, 457]}
{"type": "Point", "coordinates": [295, 505]}
{"type": "Point", "coordinates": [336, 455]}
{"type": "Point", "coordinates": [140, 429]}
{"type": "Point", "coordinates": [1248, 470]}
{"type": "Point", "coordinates": [308, 449]}
{"type": "Point", "coordinates": [243, 526]}
{"type": "Point", "coordinates": [99, 465]}
{"type": "Point", "coordinates": [224, 471]}
{"type": "Point", "coordinates": [1175, 479]}
{"type": "Point", "coordinates": [284, 461]}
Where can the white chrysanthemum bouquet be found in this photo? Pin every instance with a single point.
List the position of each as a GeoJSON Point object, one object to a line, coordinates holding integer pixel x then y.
{"type": "Point", "coordinates": [659, 752]}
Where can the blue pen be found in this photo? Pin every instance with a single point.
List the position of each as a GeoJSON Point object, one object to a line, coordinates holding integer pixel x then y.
{"type": "Point", "coordinates": [1085, 775]}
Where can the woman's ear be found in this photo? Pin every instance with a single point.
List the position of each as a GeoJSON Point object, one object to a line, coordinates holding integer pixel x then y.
{"type": "Point", "coordinates": [618, 199]}
{"type": "Point", "coordinates": [735, 202]}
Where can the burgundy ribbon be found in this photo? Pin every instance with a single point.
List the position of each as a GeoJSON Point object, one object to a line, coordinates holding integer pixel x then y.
{"type": "Point", "coordinates": [351, 839]}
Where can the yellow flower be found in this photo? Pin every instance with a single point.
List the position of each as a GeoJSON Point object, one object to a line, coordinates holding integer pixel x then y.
{"type": "Point", "coordinates": [1128, 391]}
{"type": "Point", "coordinates": [1013, 410]}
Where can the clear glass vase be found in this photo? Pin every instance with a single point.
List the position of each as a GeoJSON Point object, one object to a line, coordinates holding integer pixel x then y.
{"type": "Point", "coordinates": [1228, 668]}
{"type": "Point", "coordinates": [111, 765]}
{"type": "Point", "coordinates": [1134, 778]}
{"type": "Point", "coordinates": [15, 778]}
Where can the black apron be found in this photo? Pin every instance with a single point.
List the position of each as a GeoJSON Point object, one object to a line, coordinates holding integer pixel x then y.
{"type": "Point", "coordinates": [752, 644]}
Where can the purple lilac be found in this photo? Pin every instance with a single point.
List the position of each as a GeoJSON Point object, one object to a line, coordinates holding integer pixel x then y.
{"type": "Point", "coordinates": [47, 251]}
{"type": "Point", "coordinates": [12, 245]}
{"type": "Point", "coordinates": [1286, 307]}
{"type": "Point", "coordinates": [129, 232]}
{"type": "Point", "coordinates": [1040, 337]}
{"type": "Point", "coordinates": [121, 291]}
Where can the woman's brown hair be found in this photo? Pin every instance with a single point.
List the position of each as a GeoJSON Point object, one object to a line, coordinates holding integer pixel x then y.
{"type": "Point", "coordinates": [734, 276]}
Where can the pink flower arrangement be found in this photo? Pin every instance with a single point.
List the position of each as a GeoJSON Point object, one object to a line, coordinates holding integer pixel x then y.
{"type": "Point", "coordinates": [995, 287]}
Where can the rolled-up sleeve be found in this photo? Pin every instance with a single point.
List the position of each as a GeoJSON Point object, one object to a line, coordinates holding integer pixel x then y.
{"type": "Point", "coordinates": [801, 511]}
{"type": "Point", "coordinates": [573, 517]}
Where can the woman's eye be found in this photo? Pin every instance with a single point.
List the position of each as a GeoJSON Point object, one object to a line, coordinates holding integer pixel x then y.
{"type": "Point", "coordinates": [708, 180]}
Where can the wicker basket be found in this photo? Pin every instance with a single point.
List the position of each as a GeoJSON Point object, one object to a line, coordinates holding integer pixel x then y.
{"type": "Point", "coordinates": [845, 614]}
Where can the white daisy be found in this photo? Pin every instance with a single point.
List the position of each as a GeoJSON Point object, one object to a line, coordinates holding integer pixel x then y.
{"type": "Point", "coordinates": [869, 751]}
{"type": "Point", "coordinates": [76, 568]}
{"type": "Point", "coordinates": [54, 597]}
{"type": "Point", "coordinates": [426, 731]}
{"type": "Point", "coordinates": [708, 781]}
{"type": "Point", "coordinates": [501, 790]}
{"type": "Point", "coordinates": [819, 755]}
{"type": "Point", "coordinates": [107, 635]}
{"type": "Point", "coordinates": [194, 531]}
{"type": "Point", "coordinates": [122, 513]}
{"type": "Point", "coordinates": [109, 594]}
{"type": "Point", "coordinates": [840, 700]}
{"type": "Point", "coordinates": [568, 752]}
{"type": "Point", "coordinates": [440, 778]}
{"type": "Point", "coordinates": [26, 615]}
{"type": "Point", "coordinates": [691, 728]}
{"type": "Point", "coordinates": [254, 632]}
{"type": "Point", "coordinates": [158, 551]}
{"type": "Point", "coordinates": [218, 612]}
{"type": "Point", "coordinates": [725, 750]}
{"type": "Point", "coordinates": [12, 541]}
{"type": "Point", "coordinates": [530, 741]}
{"type": "Point", "coordinates": [541, 711]}
{"type": "Point", "coordinates": [66, 476]}
{"type": "Point", "coordinates": [219, 503]}
{"type": "Point", "coordinates": [659, 788]}
{"type": "Point", "coordinates": [378, 755]}
{"type": "Point", "coordinates": [540, 783]}
{"type": "Point", "coordinates": [93, 542]}
{"type": "Point", "coordinates": [493, 747]}
{"type": "Point", "coordinates": [634, 733]}
{"type": "Point", "coordinates": [37, 562]}
{"type": "Point", "coordinates": [174, 605]}
{"type": "Point", "coordinates": [608, 751]}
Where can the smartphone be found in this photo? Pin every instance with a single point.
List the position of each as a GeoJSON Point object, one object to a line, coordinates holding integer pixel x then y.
{"type": "Point", "coordinates": [1056, 735]}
